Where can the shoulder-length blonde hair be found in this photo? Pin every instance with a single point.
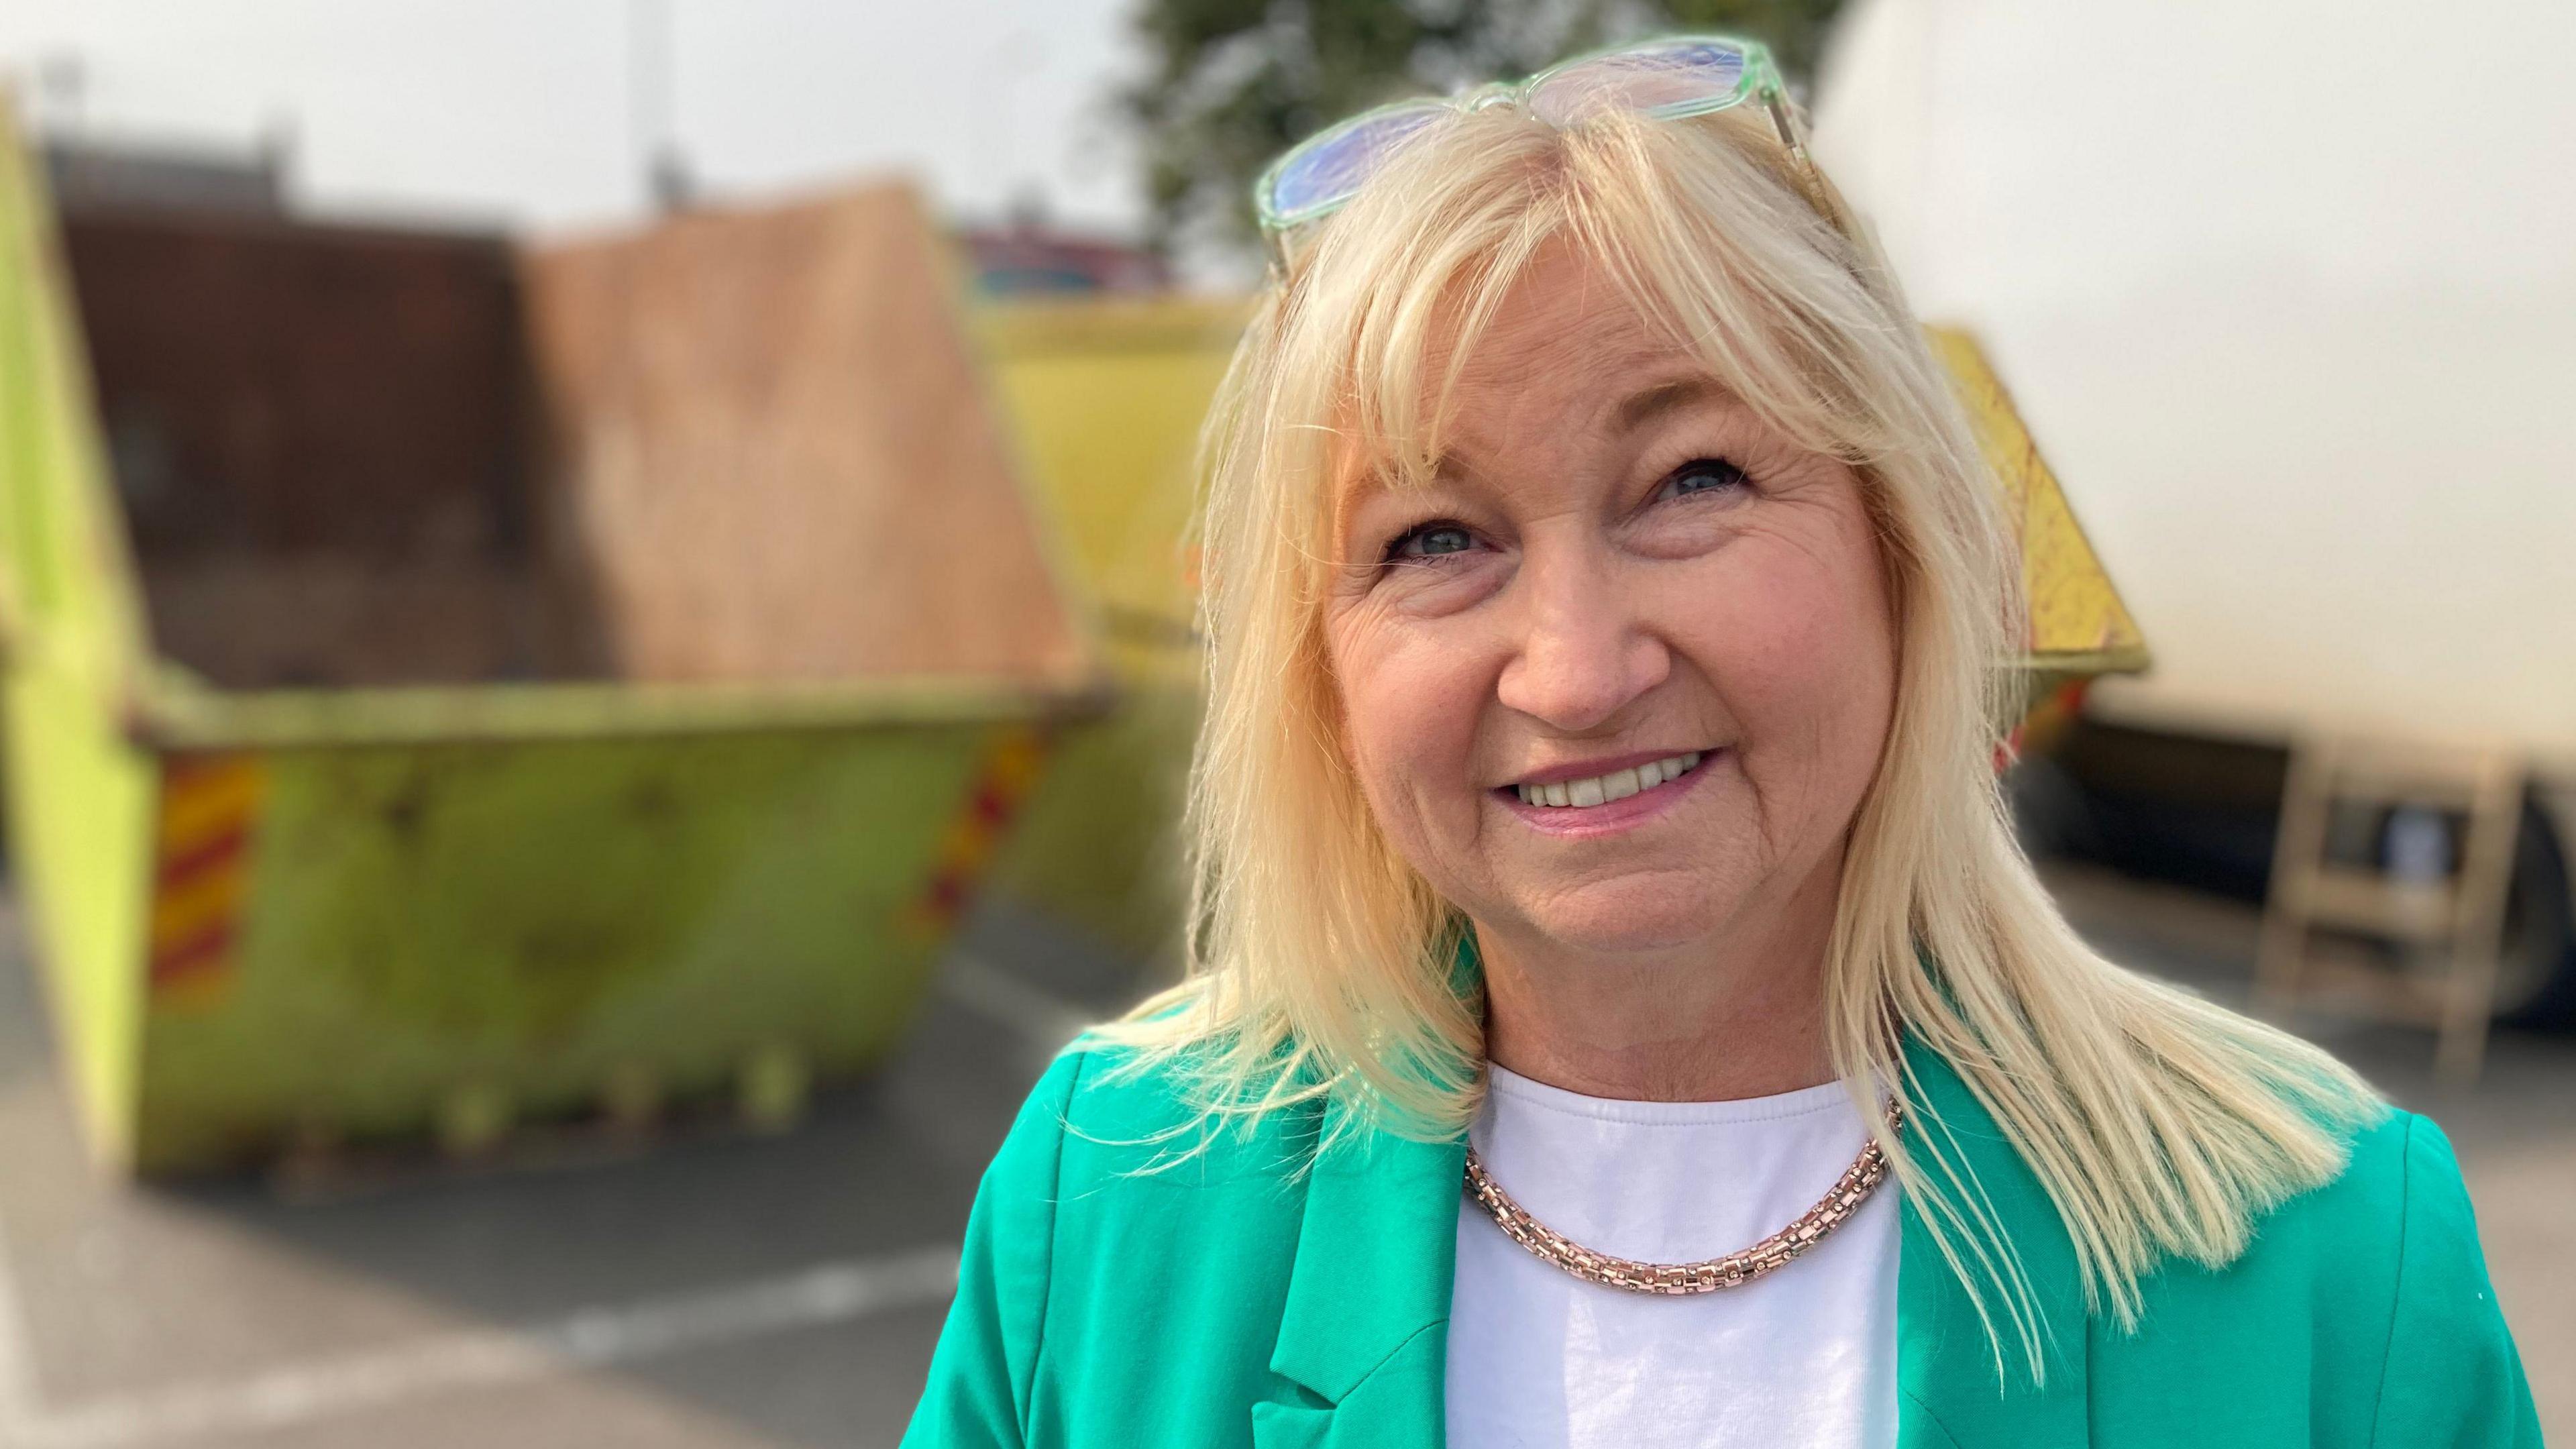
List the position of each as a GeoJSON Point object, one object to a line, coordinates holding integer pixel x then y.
{"type": "Point", "coordinates": [1320, 964]}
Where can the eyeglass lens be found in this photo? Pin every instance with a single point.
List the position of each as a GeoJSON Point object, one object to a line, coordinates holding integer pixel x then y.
{"type": "Point", "coordinates": [1684, 76]}
{"type": "Point", "coordinates": [1332, 169]}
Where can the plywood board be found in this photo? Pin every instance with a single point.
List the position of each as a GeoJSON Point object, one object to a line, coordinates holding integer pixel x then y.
{"type": "Point", "coordinates": [774, 459]}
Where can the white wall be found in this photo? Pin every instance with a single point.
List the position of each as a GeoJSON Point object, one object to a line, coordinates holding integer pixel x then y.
{"type": "Point", "coordinates": [2288, 293]}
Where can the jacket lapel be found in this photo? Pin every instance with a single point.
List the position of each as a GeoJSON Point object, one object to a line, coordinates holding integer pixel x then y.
{"type": "Point", "coordinates": [1368, 1298]}
{"type": "Point", "coordinates": [1950, 1389]}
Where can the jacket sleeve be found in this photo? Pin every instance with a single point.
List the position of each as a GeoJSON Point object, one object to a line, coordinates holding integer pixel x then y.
{"type": "Point", "coordinates": [981, 1375]}
{"type": "Point", "coordinates": [2452, 1377]}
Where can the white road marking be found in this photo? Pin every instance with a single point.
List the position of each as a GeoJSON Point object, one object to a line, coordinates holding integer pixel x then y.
{"type": "Point", "coordinates": [1042, 1020]}
{"type": "Point", "coordinates": [837, 1292]}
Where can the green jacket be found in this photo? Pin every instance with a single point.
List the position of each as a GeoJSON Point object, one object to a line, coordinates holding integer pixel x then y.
{"type": "Point", "coordinates": [1230, 1302]}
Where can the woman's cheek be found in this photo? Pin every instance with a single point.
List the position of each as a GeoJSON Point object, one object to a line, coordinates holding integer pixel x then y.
{"type": "Point", "coordinates": [1385, 671]}
{"type": "Point", "coordinates": [1783, 641]}
{"type": "Point", "coordinates": [1412, 709]}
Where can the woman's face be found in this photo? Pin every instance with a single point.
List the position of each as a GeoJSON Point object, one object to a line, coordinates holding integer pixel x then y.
{"type": "Point", "coordinates": [1619, 569]}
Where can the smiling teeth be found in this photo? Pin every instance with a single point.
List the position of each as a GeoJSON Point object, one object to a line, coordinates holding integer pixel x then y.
{"type": "Point", "coordinates": [1602, 789]}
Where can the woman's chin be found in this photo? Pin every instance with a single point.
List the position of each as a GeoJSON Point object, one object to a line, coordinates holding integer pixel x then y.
{"type": "Point", "coordinates": [1613, 926]}
{"type": "Point", "coordinates": [1637, 910]}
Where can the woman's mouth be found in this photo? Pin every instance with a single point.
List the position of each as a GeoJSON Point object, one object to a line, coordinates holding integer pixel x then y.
{"type": "Point", "coordinates": [1597, 790]}
{"type": "Point", "coordinates": [1607, 803]}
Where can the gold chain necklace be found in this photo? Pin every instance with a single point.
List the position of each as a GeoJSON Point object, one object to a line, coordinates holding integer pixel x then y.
{"type": "Point", "coordinates": [1734, 1270]}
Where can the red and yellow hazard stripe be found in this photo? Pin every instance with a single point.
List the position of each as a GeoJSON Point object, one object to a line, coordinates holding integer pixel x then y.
{"type": "Point", "coordinates": [201, 867]}
{"type": "Point", "coordinates": [1004, 777]}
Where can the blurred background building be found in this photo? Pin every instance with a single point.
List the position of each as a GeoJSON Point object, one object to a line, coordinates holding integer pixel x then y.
{"type": "Point", "coordinates": [545, 850]}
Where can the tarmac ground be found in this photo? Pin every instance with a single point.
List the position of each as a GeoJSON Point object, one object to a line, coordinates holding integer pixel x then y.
{"type": "Point", "coordinates": [725, 1289]}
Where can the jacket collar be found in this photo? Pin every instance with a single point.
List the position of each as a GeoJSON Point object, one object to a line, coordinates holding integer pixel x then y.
{"type": "Point", "coordinates": [1368, 1296]}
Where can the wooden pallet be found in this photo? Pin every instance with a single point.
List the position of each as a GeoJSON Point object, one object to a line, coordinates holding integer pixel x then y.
{"type": "Point", "coordinates": [2448, 925]}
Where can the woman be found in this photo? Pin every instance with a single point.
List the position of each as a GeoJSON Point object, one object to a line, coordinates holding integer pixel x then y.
{"type": "Point", "coordinates": [1619, 1014]}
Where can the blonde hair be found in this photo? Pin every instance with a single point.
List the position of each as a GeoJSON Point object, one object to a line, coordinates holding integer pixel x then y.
{"type": "Point", "coordinates": [1319, 963]}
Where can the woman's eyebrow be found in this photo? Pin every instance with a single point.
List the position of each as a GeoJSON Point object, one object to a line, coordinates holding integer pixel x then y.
{"type": "Point", "coordinates": [1670, 395]}
{"type": "Point", "coordinates": [1366, 487]}
{"type": "Point", "coordinates": [1645, 405]}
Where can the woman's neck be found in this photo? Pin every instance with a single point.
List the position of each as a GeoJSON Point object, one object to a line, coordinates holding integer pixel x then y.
{"type": "Point", "coordinates": [1738, 1015]}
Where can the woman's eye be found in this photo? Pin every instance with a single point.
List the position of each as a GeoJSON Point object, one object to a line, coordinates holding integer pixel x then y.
{"type": "Point", "coordinates": [1701, 475]}
{"type": "Point", "coordinates": [1430, 540]}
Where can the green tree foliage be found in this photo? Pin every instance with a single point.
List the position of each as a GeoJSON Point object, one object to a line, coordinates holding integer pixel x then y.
{"type": "Point", "coordinates": [1235, 82]}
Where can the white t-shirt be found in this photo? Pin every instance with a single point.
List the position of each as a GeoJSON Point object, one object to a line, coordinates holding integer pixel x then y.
{"type": "Point", "coordinates": [1802, 1359]}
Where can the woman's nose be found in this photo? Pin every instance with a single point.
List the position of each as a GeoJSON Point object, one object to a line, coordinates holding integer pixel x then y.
{"type": "Point", "coordinates": [1583, 652]}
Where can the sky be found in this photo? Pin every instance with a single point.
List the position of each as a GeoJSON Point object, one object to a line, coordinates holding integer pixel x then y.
{"type": "Point", "coordinates": [526, 112]}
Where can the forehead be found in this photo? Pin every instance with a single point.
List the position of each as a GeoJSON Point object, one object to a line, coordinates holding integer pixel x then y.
{"type": "Point", "coordinates": [1562, 325]}
{"type": "Point", "coordinates": [1513, 362]}
{"type": "Point", "coordinates": [1561, 354]}
{"type": "Point", "coordinates": [1596, 380]}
